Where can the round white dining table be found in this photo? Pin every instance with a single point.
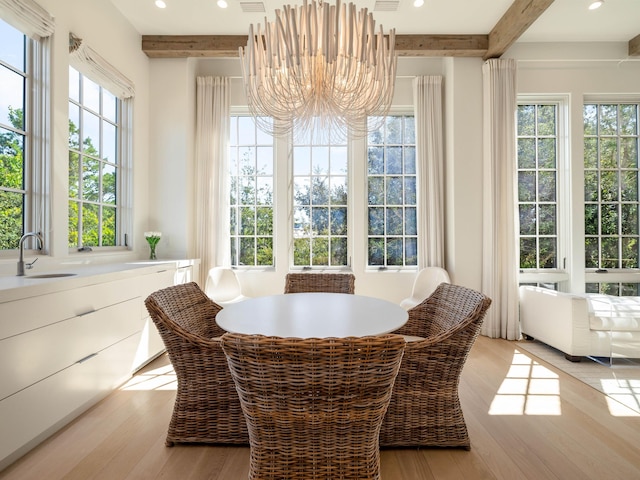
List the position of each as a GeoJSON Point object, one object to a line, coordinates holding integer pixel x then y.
{"type": "Point", "coordinates": [312, 315]}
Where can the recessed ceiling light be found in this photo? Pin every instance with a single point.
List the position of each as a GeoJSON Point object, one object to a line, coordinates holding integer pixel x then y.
{"type": "Point", "coordinates": [418, 3]}
{"type": "Point", "coordinates": [222, 4]}
{"type": "Point", "coordinates": [596, 4]}
{"type": "Point", "coordinates": [160, 4]}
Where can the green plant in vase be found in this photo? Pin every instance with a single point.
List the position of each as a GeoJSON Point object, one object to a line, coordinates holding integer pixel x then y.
{"type": "Point", "coordinates": [152, 239]}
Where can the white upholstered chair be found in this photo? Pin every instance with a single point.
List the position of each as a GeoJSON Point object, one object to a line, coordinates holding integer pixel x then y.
{"type": "Point", "coordinates": [223, 286]}
{"type": "Point", "coordinates": [424, 285]}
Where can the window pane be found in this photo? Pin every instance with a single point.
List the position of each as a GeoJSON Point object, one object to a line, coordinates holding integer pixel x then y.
{"type": "Point", "coordinates": [108, 184]}
{"type": "Point", "coordinates": [629, 253]}
{"type": "Point", "coordinates": [90, 133]}
{"type": "Point", "coordinates": [12, 87]}
{"type": "Point", "coordinates": [74, 175]}
{"type": "Point", "coordinates": [109, 142]}
{"type": "Point", "coordinates": [526, 120]}
{"type": "Point", "coordinates": [74, 85]}
{"type": "Point", "coordinates": [108, 226]}
{"type": "Point", "coordinates": [339, 221]}
{"type": "Point", "coordinates": [376, 251]}
{"type": "Point", "coordinates": [527, 219]}
{"type": "Point", "coordinates": [11, 159]}
{"type": "Point", "coordinates": [376, 221]}
{"type": "Point", "coordinates": [90, 224]}
{"type": "Point", "coordinates": [91, 180]}
{"type": "Point", "coordinates": [109, 106]}
{"type": "Point", "coordinates": [90, 94]}
{"type": "Point", "coordinates": [74, 210]}
{"type": "Point", "coordinates": [11, 219]}
{"type": "Point", "coordinates": [526, 153]}
{"type": "Point", "coordinates": [12, 46]}
{"type": "Point", "coordinates": [630, 219]}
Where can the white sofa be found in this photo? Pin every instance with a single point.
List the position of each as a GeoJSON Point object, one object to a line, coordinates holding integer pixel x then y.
{"type": "Point", "coordinates": [581, 325]}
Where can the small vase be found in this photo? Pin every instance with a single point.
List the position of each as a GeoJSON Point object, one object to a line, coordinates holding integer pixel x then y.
{"type": "Point", "coordinates": [152, 254]}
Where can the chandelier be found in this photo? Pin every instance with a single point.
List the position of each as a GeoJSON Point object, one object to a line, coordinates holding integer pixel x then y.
{"type": "Point", "coordinates": [319, 68]}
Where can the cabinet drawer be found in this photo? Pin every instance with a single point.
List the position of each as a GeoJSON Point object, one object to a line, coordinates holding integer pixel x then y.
{"type": "Point", "coordinates": [35, 412]}
{"type": "Point", "coordinates": [30, 313]}
{"type": "Point", "coordinates": [27, 358]}
{"type": "Point", "coordinates": [152, 283]}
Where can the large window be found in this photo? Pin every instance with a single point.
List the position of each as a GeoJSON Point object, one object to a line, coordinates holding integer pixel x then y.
{"type": "Point", "coordinates": [20, 158]}
{"type": "Point", "coordinates": [611, 192]}
{"type": "Point", "coordinates": [320, 201]}
{"type": "Point", "coordinates": [94, 163]}
{"type": "Point", "coordinates": [538, 185]}
{"type": "Point", "coordinates": [391, 194]}
{"type": "Point", "coordinates": [251, 194]}
{"type": "Point", "coordinates": [327, 199]}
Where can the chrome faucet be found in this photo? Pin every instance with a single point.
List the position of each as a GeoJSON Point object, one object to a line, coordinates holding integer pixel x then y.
{"type": "Point", "coordinates": [21, 264]}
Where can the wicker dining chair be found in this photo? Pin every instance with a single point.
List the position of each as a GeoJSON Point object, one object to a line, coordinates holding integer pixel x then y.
{"type": "Point", "coordinates": [320, 282]}
{"type": "Point", "coordinates": [207, 408]}
{"type": "Point", "coordinates": [314, 406]}
{"type": "Point", "coordinates": [425, 408]}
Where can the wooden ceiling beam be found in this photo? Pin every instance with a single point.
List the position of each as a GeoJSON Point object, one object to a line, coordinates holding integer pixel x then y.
{"type": "Point", "coordinates": [634, 46]}
{"type": "Point", "coordinates": [182, 46]}
{"type": "Point", "coordinates": [520, 15]}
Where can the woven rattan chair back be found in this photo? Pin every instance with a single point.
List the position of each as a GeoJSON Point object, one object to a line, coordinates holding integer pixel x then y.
{"type": "Point", "coordinates": [207, 408]}
{"type": "Point", "coordinates": [314, 406]}
{"type": "Point", "coordinates": [425, 408]}
{"type": "Point", "coordinates": [320, 282]}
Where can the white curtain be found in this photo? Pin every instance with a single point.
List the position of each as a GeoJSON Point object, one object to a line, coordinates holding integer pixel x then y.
{"type": "Point", "coordinates": [427, 94]}
{"type": "Point", "coordinates": [212, 174]}
{"type": "Point", "coordinates": [28, 17]}
{"type": "Point", "coordinates": [500, 254]}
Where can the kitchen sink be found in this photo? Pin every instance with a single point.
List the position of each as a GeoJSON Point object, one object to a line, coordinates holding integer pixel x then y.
{"type": "Point", "coordinates": [51, 275]}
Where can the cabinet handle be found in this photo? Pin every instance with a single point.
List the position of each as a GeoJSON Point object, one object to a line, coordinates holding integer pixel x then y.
{"type": "Point", "coordinates": [86, 313]}
{"type": "Point", "coordinates": [91, 355]}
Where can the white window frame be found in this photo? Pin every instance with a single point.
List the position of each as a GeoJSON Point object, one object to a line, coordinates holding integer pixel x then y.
{"type": "Point", "coordinates": [37, 148]}
{"type": "Point", "coordinates": [88, 63]}
{"type": "Point", "coordinates": [386, 266]}
{"type": "Point", "coordinates": [233, 115]}
{"type": "Point", "coordinates": [356, 208]}
{"type": "Point", "coordinates": [618, 276]}
{"type": "Point", "coordinates": [561, 275]}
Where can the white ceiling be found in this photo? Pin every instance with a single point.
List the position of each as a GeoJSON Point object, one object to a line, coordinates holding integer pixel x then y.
{"type": "Point", "coordinates": [563, 21]}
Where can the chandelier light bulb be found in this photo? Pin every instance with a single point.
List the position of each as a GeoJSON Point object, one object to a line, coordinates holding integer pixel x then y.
{"type": "Point", "coordinates": [319, 68]}
{"type": "Point", "coordinates": [596, 4]}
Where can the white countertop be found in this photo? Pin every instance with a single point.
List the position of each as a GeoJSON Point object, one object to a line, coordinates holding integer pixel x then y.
{"type": "Point", "coordinates": [13, 287]}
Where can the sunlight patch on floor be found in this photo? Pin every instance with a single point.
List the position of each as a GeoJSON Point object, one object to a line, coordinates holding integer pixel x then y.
{"type": "Point", "coordinates": [622, 393]}
{"type": "Point", "coordinates": [528, 389]}
{"type": "Point", "coordinates": [162, 378]}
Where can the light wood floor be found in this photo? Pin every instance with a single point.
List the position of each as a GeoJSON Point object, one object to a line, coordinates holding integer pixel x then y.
{"type": "Point", "coordinates": [526, 421]}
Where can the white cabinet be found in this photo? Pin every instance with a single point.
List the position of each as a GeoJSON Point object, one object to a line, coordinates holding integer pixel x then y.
{"type": "Point", "coordinates": [151, 344]}
{"type": "Point", "coordinates": [61, 352]}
